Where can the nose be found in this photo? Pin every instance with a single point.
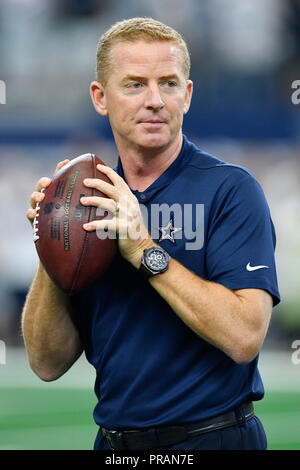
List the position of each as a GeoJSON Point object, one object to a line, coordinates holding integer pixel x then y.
{"type": "Point", "coordinates": [153, 99]}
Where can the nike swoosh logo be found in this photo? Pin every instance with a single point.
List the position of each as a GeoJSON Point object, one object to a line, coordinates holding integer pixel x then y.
{"type": "Point", "coordinates": [254, 268]}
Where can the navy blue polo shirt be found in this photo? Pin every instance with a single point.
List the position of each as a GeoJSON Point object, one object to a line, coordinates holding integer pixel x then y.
{"type": "Point", "coordinates": [151, 368]}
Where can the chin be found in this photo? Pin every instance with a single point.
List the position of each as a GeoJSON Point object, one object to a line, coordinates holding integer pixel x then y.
{"type": "Point", "coordinates": [153, 141]}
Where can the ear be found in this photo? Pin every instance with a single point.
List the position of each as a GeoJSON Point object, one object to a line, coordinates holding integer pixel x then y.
{"type": "Point", "coordinates": [97, 93]}
{"type": "Point", "coordinates": [188, 96]}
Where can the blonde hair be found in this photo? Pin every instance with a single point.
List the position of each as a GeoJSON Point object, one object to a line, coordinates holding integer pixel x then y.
{"type": "Point", "coordinates": [135, 29]}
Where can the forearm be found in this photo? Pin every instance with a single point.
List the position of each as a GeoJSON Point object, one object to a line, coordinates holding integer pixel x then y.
{"type": "Point", "coordinates": [215, 313]}
{"type": "Point", "coordinates": [51, 339]}
{"type": "Point", "coordinates": [233, 321]}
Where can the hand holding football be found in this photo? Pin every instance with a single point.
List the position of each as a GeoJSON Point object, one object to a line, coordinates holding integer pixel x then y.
{"type": "Point", "coordinates": [73, 257]}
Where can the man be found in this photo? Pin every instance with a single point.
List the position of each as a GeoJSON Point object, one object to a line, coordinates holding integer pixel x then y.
{"type": "Point", "coordinates": [175, 326]}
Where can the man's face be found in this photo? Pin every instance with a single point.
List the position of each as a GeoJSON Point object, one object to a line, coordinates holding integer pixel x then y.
{"type": "Point", "coordinates": [146, 94]}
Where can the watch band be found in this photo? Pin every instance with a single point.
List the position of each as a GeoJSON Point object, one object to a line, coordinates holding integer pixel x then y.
{"type": "Point", "coordinates": [145, 271]}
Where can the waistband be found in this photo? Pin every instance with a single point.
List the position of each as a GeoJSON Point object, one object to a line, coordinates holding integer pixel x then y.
{"type": "Point", "coordinates": [145, 439]}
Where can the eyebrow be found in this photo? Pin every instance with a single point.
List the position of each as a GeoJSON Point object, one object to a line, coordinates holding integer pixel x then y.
{"type": "Point", "coordinates": [170, 77]}
{"type": "Point", "coordinates": [139, 78]}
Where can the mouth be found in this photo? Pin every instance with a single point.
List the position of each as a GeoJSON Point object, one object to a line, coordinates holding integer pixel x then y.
{"type": "Point", "coordinates": [152, 123]}
{"type": "Point", "coordinates": [152, 120]}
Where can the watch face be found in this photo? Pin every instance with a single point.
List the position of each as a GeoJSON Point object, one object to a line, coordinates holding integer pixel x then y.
{"type": "Point", "coordinates": [156, 259]}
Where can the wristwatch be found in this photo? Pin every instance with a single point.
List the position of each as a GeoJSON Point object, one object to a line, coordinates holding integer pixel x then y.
{"type": "Point", "coordinates": [155, 260]}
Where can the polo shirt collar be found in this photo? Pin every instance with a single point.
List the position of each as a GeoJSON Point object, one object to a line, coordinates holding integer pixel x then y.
{"type": "Point", "coordinates": [166, 177]}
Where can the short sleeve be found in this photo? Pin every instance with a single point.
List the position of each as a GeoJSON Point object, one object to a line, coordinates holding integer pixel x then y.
{"type": "Point", "coordinates": [241, 238]}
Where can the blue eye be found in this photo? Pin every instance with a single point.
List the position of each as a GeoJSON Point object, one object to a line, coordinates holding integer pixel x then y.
{"type": "Point", "coordinates": [133, 85]}
{"type": "Point", "coordinates": [136, 85]}
{"type": "Point", "coordinates": [169, 84]}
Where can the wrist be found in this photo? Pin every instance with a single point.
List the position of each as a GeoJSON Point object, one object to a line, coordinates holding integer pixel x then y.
{"type": "Point", "coordinates": [137, 256]}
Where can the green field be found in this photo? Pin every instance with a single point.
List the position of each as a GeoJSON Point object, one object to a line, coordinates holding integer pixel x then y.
{"type": "Point", "coordinates": [38, 415]}
{"type": "Point", "coordinates": [37, 418]}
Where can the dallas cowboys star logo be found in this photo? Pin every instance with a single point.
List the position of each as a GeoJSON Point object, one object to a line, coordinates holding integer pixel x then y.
{"type": "Point", "coordinates": [168, 231]}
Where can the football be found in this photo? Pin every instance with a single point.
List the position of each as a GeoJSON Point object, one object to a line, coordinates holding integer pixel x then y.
{"type": "Point", "coordinates": [73, 257]}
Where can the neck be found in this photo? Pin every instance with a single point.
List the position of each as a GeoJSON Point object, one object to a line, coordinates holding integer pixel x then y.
{"type": "Point", "coordinates": [142, 167]}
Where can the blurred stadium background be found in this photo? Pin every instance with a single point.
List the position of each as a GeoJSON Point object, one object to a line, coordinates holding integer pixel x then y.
{"type": "Point", "coordinates": [245, 57]}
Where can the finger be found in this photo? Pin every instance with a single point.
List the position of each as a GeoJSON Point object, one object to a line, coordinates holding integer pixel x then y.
{"type": "Point", "coordinates": [116, 179]}
{"type": "Point", "coordinates": [30, 214]}
{"type": "Point", "coordinates": [103, 202]}
{"type": "Point", "coordinates": [110, 225]}
{"type": "Point", "coordinates": [115, 227]}
{"type": "Point", "coordinates": [42, 183]}
{"type": "Point", "coordinates": [35, 198]}
{"type": "Point", "coordinates": [102, 186]}
{"type": "Point", "coordinates": [61, 164]}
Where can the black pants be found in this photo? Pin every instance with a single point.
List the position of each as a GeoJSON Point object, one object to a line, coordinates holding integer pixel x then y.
{"type": "Point", "coordinates": [247, 436]}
